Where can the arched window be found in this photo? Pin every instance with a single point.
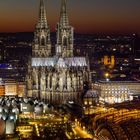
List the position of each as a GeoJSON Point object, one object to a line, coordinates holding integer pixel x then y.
{"type": "Point", "coordinates": [64, 41]}
{"type": "Point", "coordinates": [43, 41]}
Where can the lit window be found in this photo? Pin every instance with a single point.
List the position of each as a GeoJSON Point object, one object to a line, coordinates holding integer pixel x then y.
{"type": "Point", "coordinates": [85, 102]}
{"type": "Point", "coordinates": [90, 103]}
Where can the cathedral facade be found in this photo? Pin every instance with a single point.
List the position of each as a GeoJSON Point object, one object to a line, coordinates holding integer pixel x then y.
{"type": "Point", "coordinates": [55, 78]}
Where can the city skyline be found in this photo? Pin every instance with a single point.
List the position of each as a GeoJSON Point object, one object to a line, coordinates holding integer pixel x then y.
{"type": "Point", "coordinates": [97, 16]}
{"type": "Point", "coordinates": [66, 85]}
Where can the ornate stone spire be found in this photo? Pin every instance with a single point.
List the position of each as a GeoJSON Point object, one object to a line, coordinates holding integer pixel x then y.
{"type": "Point", "coordinates": [64, 46]}
{"type": "Point", "coordinates": [42, 43]}
{"type": "Point", "coordinates": [64, 21]}
{"type": "Point", "coordinates": [42, 15]}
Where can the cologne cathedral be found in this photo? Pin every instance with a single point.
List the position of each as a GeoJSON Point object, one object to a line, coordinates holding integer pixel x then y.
{"type": "Point", "coordinates": [60, 77]}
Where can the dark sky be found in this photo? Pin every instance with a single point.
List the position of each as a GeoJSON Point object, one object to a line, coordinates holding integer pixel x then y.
{"type": "Point", "coordinates": [87, 16]}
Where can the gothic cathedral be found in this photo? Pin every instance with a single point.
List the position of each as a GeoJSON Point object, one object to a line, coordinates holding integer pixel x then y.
{"type": "Point", "coordinates": [55, 78]}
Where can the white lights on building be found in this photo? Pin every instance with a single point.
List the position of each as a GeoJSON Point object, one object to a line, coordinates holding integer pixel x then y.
{"type": "Point", "coordinates": [117, 91]}
{"type": "Point", "coordinates": [10, 127]}
{"type": "Point", "coordinates": [61, 62]}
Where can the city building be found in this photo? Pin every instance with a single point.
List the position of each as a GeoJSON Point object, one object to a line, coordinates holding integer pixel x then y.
{"type": "Point", "coordinates": [109, 61]}
{"type": "Point", "coordinates": [91, 98]}
{"type": "Point", "coordinates": [13, 88]}
{"type": "Point", "coordinates": [2, 90]}
{"type": "Point", "coordinates": [25, 131]}
{"type": "Point", "coordinates": [10, 87]}
{"type": "Point", "coordinates": [56, 78]}
{"type": "Point", "coordinates": [117, 91]}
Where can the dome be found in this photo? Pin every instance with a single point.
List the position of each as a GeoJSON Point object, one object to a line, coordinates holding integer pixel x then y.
{"type": "Point", "coordinates": [1, 109]}
{"type": "Point", "coordinates": [25, 100]}
{"type": "Point", "coordinates": [45, 108]}
{"type": "Point", "coordinates": [8, 104]}
{"type": "Point", "coordinates": [4, 116]}
{"type": "Point", "coordinates": [91, 94]}
{"type": "Point", "coordinates": [1, 99]}
{"type": "Point", "coordinates": [38, 109]}
{"type": "Point", "coordinates": [6, 109]}
{"type": "Point", "coordinates": [15, 110]}
{"type": "Point", "coordinates": [12, 116]}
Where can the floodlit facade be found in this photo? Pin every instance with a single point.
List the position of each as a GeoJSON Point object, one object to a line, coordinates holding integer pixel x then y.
{"type": "Point", "coordinates": [12, 88]}
{"type": "Point", "coordinates": [56, 78]}
{"type": "Point", "coordinates": [117, 91]}
{"type": "Point", "coordinates": [90, 98]}
{"type": "Point", "coordinates": [10, 127]}
{"type": "Point", "coordinates": [2, 90]}
{"type": "Point", "coordinates": [25, 130]}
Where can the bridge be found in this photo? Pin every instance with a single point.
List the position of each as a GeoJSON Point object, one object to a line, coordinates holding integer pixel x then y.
{"type": "Point", "coordinates": [118, 123]}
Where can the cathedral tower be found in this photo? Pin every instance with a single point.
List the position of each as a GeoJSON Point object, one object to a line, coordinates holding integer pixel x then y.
{"type": "Point", "coordinates": [55, 78]}
{"type": "Point", "coordinates": [41, 43]}
{"type": "Point", "coordinates": [64, 46]}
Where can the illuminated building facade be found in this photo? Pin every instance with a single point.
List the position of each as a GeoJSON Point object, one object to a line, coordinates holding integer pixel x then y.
{"type": "Point", "coordinates": [117, 91]}
{"type": "Point", "coordinates": [60, 77]}
{"type": "Point", "coordinates": [90, 98]}
{"type": "Point", "coordinates": [2, 90]}
{"type": "Point", "coordinates": [13, 88]}
{"type": "Point", "coordinates": [109, 61]}
{"type": "Point", "coordinates": [25, 131]}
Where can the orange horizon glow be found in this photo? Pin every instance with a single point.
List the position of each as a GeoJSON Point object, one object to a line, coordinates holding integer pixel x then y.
{"type": "Point", "coordinates": [85, 17]}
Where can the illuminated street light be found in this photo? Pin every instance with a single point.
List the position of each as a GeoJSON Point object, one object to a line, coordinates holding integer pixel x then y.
{"type": "Point", "coordinates": [107, 75]}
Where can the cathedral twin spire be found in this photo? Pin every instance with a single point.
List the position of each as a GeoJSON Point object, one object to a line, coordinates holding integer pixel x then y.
{"type": "Point", "coordinates": [63, 14]}
{"type": "Point", "coordinates": [58, 77]}
{"type": "Point", "coordinates": [42, 13]}
{"type": "Point", "coordinates": [64, 46]}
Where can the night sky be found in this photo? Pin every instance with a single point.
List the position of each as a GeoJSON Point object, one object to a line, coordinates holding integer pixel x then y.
{"type": "Point", "coordinates": [87, 16]}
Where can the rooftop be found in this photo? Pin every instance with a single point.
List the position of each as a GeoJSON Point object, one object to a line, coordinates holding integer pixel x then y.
{"type": "Point", "coordinates": [60, 62]}
{"type": "Point", "coordinates": [119, 80]}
